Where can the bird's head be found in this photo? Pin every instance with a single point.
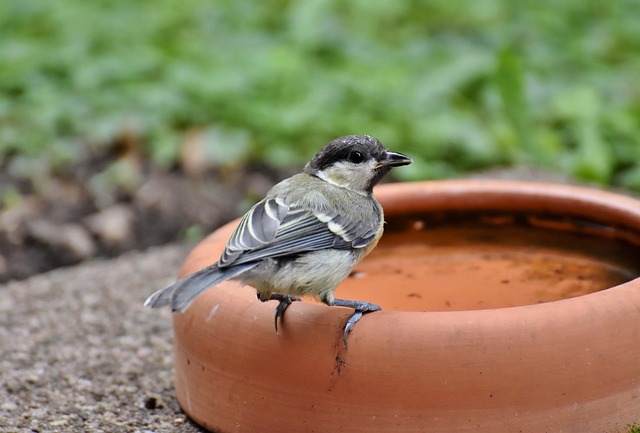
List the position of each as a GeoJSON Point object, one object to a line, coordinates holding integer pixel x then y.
{"type": "Point", "coordinates": [355, 162]}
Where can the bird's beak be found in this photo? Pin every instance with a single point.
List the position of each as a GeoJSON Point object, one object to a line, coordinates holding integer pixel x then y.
{"type": "Point", "coordinates": [394, 159]}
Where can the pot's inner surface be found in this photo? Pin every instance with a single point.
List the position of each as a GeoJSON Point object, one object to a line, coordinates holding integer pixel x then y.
{"type": "Point", "coordinates": [449, 262]}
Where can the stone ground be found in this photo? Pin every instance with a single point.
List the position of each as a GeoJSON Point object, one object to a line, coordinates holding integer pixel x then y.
{"type": "Point", "coordinates": [80, 353]}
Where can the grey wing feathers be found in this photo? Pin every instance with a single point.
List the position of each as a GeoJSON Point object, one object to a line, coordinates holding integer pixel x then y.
{"type": "Point", "coordinates": [352, 233]}
{"type": "Point", "coordinates": [256, 229]}
{"type": "Point", "coordinates": [273, 228]}
{"type": "Point", "coordinates": [300, 231]}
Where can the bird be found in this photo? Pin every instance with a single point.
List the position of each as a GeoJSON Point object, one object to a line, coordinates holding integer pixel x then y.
{"type": "Point", "coordinates": [306, 235]}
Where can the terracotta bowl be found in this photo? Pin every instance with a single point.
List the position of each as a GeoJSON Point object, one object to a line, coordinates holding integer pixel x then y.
{"type": "Point", "coordinates": [506, 307]}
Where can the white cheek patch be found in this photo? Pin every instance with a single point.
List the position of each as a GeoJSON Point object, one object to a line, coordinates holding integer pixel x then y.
{"type": "Point", "coordinates": [355, 177]}
{"type": "Point", "coordinates": [327, 176]}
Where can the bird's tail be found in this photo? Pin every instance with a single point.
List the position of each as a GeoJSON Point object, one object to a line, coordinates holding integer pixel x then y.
{"type": "Point", "coordinates": [181, 293]}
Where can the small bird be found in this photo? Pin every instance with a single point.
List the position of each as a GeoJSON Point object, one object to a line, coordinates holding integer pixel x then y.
{"type": "Point", "coordinates": [306, 235]}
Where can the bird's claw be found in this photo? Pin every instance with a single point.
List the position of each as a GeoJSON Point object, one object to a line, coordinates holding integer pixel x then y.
{"type": "Point", "coordinates": [350, 324]}
{"type": "Point", "coordinates": [285, 301]}
{"type": "Point", "coordinates": [361, 308]}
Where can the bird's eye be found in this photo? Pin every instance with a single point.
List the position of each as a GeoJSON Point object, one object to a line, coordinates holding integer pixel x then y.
{"type": "Point", "coordinates": [356, 157]}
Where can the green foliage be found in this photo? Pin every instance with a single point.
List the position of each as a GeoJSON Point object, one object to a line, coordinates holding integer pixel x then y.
{"type": "Point", "coordinates": [458, 86]}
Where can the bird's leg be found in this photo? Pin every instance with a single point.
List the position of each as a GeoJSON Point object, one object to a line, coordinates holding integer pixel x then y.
{"type": "Point", "coordinates": [361, 308]}
{"type": "Point", "coordinates": [285, 301]}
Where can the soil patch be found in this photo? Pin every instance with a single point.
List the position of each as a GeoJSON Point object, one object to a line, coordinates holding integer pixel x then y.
{"type": "Point", "coordinates": [114, 202]}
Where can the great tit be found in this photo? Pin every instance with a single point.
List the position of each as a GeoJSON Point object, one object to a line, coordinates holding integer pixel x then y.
{"type": "Point", "coordinates": [306, 235]}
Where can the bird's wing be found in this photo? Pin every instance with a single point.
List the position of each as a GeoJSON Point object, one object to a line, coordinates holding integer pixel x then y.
{"type": "Point", "coordinates": [273, 228]}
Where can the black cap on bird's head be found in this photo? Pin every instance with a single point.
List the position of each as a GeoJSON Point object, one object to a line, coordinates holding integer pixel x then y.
{"type": "Point", "coordinates": [356, 162]}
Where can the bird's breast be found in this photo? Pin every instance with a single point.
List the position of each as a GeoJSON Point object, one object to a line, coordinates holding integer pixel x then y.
{"type": "Point", "coordinates": [310, 274]}
{"type": "Point", "coordinates": [374, 242]}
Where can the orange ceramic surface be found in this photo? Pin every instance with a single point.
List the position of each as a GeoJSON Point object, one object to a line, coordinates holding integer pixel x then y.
{"type": "Point", "coordinates": [507, 307]}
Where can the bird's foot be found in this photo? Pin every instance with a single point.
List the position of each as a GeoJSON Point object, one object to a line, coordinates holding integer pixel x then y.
{"type": "Point", "coordinates": [361, 308]}
{"type": "Point", "coordinates": [285, 301]}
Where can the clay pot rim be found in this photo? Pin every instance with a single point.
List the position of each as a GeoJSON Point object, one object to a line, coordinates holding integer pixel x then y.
{"type": "Point", "coordinates": [499, 195]}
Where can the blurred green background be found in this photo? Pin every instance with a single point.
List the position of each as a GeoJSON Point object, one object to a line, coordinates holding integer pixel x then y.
{"type": "Point", "coordinates": [459, 86]}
